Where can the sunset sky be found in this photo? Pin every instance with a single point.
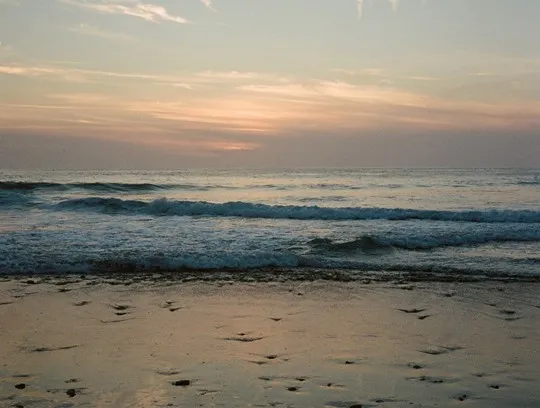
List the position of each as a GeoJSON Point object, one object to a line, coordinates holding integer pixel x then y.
{"type": "Point", "coordinates": [269, 83]}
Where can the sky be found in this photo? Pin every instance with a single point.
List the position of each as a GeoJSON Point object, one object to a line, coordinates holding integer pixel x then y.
{"type": "Point", "coordinates": [129, 84]}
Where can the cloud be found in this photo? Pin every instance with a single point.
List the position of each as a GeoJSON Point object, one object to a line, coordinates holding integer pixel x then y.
{"type": "Point", "coordinates": [339, 90]}
{"type": "Point", "coordinates": [208, 4]}
{"type": "Point", "coordinates": [377, 72]}
{"type": "Point", "coordinates": [422, 78]}
{"type": "Point", "coordinates": [393, 3]}
{"type": "Point", "coordinates": [342, 105]}
{"type": "Point", "coordinates": [28, 71]}
{"type": "Point", "coordinates": [228, 75]}
{"type": "Point", "coordinates": [133, 8]}
{"type": "Point", "coordinates": [183, 86]}
{"type": "Point", "coordinates": [185, 81]}
{"type": "Point", "coordinates": [87, 29]}
{"type": "Point", "coordinates": [360, 8]}
{"type": "Point", "coordinates": [247, 103]}
{"type": "Point", "coordinates": [5, 49]}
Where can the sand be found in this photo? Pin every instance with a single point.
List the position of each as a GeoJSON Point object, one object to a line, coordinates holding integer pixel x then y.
{"type": "Point", "coordinates": [89, 343]}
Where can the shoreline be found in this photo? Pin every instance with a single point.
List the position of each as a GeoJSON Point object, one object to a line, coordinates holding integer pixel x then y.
{"type": "Point", "coordinates": [100, 343]}
{"type": "Point", "coordinates": [268, 274]}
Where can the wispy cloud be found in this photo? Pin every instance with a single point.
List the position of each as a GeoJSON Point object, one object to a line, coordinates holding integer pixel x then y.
{"type": "Point", "coordinates": [360, 4]}
{"type": "Point", "coordinates": [208, 4]}
{"type": "Point", "coordinates": [360, 7]}
{"type": "Point", "coordinates": [5, 49]}
{"type": "Point", "coordinates": [28, 71]}
{"type": "Point", "coordinates": [422, 78]}
{"type": "Point", "coordinates": [364, 71]}
{"type": "Point", "coordinates": [10, 2]}
{"type": "Point", "coordinates": [182, 85]}
{"type": "Point", "coordinates": [185, 81]}
{"type": "Point", "coordinates": [87, 29]}
{"type": "Point", "coordinates": [341, 104]}
{"type": "Point", "coordinates": [228, 74]}
{"type": "Point", "coordinates": [340, 90]}
{"type": "Point", "coordinates": [245, 103]}
{"type": "Point", "coordinates": [133, 8]}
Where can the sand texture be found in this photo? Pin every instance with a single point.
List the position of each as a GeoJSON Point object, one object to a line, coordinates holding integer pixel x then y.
{"type": "Point", "coordinates": [88, 343]}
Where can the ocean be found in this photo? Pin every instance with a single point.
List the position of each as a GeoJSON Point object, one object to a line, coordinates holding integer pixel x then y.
{"type": "Point", "coordinates": [483, 223]}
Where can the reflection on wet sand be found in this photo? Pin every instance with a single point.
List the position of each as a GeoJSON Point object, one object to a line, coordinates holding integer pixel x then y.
{"type": "Point", "coordinates": [337, 345]}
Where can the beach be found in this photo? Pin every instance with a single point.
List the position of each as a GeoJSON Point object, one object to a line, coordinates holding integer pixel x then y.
{"type": "Point", "coordinates": [152, 342]}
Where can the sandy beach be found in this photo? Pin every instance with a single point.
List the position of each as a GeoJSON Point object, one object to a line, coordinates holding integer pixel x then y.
{"type": "Point", "coordinates": [93, 342]}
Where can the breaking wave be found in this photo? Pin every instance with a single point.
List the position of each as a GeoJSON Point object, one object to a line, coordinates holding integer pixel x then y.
{"type": "Point", "coordinates": [535, 182]}
{"type": "Point", "coordinates": [370, 244]}
{"type": "Point", "coordinates": [259, 266]}
{"type": "Point", "coordinates": [11, 198]}
{"type": "Point", "coordinates": [98, 187]}
{"type": "Point", "coordinates": [164, 207]}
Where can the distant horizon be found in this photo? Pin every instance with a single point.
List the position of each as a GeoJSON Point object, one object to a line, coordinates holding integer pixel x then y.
{"type": "Point", "coordinates": [224, 169]}
{"type": "Point", "coordinates": [118, 84]}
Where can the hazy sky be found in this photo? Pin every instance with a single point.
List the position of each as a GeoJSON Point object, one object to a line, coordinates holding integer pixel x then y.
{"type": "Point", "coordinates": [268, 83]}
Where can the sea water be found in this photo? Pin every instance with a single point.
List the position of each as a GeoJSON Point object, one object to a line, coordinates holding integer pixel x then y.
{"type": "Point", "coordinates": [482, 222]}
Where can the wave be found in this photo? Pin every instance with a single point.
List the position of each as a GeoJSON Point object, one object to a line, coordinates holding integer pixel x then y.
{"type": "Point", "coordinates": [142, 263]}
{"type": "Point", "coordinates": [261, 266]}
{"type": "Point", "coordinates": [373, 244]}
{"type": "Point", "coordinates": [11, 198]}
{"type": "Point", "coordinates": [365, 243]}
{"type": "Point", "coordinates": [164, 207]}
{"type": "Point", "coordinates": [535, 182]}
{"type": "Point", "coordinates": [98, 187]}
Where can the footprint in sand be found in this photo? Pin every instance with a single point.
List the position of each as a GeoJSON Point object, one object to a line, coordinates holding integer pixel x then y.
{"type": "Point", "coordinates": [168, 372]}
{"type": "Point", "coordinates": [181, 383]}
{"type": "Point", "coordinates": [167, 304]}
{"type": "Point", "coordinates": [243, 338]}
{"type": "Point", "coordinates": [258, 362]}
{"type": "Point", "coordinates": [347, 404]}
{"type": "Point", "coordinates": [111, 321]}
{"type": "Point", "coordinates": [45, 349]}
{"type": "Point", "coordinates": [383, 400]}
{"type": "Point", "coordinates": [412, 311]}
{"type": "Point", "coordinates": [462, 397]}
{"type": "Point", "coordinates": [262, 362]}
{"type": "Point", "coordinates": [431, 380]}
{"type": "Point", "coordinates": [512, 319]}
{"type": "Point", "coordinates": [120, 308]}
{"type": "Point", "coordinates": [440, 350]}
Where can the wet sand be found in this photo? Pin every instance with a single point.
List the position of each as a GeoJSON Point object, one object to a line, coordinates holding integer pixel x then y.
{"type": "Point", "coordinates": [89, 343]}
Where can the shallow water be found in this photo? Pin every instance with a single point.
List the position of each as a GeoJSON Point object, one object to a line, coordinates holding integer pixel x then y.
{"type": "Point", "coordinates": [482, 222]}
